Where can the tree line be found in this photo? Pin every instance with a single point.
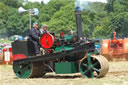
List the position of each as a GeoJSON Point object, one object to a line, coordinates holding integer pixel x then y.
{"type": "Point", "coordinates": [99, 21]}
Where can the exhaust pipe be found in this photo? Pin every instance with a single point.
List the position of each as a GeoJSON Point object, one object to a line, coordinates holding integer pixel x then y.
{"type": "Point", "coordinates": [79, 24]}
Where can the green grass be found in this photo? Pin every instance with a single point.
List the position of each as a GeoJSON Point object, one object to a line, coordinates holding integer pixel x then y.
{"type": "Point", "coordinates": [6, 41]}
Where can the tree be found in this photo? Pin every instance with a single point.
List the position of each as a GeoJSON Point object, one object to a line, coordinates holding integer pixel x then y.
{"type": "Point", "coordinates": [63, 20]}
{"type": "Point", "coordinates": [109, 6]}
{"type": "Point", "coordinates": [118, 17]}
{"type": "Point", "coordinates": [3, 11]}
{"type": "Point", "coordinates": [48, 10]}
{"type": "Point", "coordinates": [93, 17]}
{"type": "Point", "coordinates": [3, 18]}
{"type": "Point", "coordinates": [12, 3]}
{"type": "Point", "coordinates": [99, 21]}
{"type": "Point", "coordinates": [120, 23]}
{"type": "Point", "coordinates": [31, 5]}
{"type": "Point", "coordinates": [18, 24]}
{"type": "Point", "coordinates": [104, 30]}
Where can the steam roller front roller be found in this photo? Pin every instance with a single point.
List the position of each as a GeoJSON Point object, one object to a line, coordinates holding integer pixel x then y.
{"type": "Point", "coordinates": [29, 70]}
{"type": "Point", "coordinates": [94, 66]}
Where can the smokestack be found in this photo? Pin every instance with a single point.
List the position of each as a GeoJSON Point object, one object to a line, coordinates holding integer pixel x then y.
{"type": "Point", "coordinates": [78, 23]}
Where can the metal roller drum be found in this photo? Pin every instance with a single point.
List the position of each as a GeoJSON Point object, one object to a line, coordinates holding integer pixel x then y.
{"type": "Point", "coordinates": [29, 70]}
{"type": "Point", "coordinates": [94, 66]}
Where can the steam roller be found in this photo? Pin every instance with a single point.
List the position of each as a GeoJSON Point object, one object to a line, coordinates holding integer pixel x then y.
{"type": "Point", "coordinates": [90, 66]}
{"type": "Point", "coordinates": [60, 54]}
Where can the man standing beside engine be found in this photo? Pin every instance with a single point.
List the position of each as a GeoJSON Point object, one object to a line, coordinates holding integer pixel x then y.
{"type": "Point", "coordinates": [34, 36]}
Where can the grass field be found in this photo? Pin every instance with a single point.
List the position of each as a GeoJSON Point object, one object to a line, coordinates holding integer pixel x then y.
{"type": "Point", "coordinates": [5, 41]}
{"type": "Point", "coordinates": [117, 75]}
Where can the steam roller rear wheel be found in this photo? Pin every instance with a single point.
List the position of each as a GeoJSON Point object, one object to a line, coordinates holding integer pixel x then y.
{"type": "Point", "coordinates": [95, 66]}
{"type": "Point", "coordinates": [30, 70]}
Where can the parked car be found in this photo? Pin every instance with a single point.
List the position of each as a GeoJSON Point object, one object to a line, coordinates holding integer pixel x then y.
{"type": "Point", "coordinates": [15, 37]}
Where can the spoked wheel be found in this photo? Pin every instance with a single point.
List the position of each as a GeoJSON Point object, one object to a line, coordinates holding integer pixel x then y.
{"type": "Point", "coordinates": [30, 70]}
{"type": "Point", "coordinates": [94, 66]}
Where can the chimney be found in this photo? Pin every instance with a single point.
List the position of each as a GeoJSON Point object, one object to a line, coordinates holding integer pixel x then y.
{"type": "Point", "coordinates": [79, 24]}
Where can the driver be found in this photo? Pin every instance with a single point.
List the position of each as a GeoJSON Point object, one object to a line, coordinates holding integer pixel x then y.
{"type": "Point", "coordinates": [34, 36]}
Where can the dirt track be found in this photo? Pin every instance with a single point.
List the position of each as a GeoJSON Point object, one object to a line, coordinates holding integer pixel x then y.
{"type": "Point", "coordinates": [118, 75]}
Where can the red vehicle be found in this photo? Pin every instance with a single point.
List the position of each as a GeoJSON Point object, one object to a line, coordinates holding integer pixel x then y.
{"type": "Point", "coordinates": [116, 49]}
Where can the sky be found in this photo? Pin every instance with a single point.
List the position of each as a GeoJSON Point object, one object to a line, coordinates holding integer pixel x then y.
{"type": "Point", "coordinates": [45, 1]}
